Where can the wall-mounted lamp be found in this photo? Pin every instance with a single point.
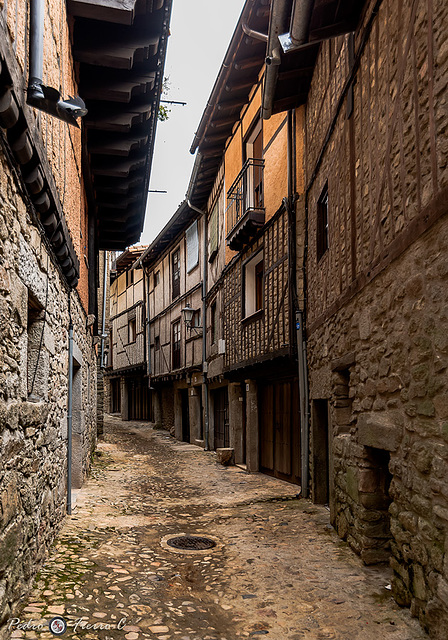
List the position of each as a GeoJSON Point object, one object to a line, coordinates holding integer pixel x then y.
{"type": "Point", "coordinates": [187, 314]}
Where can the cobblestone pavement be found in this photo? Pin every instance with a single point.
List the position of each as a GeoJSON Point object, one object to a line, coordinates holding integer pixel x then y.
{"type": "Point", "coordinates": [279, 570]}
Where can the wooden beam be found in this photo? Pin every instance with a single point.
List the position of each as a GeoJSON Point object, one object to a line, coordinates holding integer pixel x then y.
{"type": "Point", "coordinates": [116, 55]}
{"type": "Point", "coordinates": [249, 63]}
{"type": "Point", "coordinates": [118, 11]}
{"type": "Point", "coordinates": [117, 145]}
{"type": "Point", "coordinates": [117, 90]}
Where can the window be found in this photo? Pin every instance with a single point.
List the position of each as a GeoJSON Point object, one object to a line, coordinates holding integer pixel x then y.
{"type": "Point", "coordinates": [129, 277]}
{"type": "Point", "coordinates": [157, 343]}
{"type": "Point", "coordinates": [254, 149]}
{"type": "Point", "coordinates": [192, 240]}
{"type": "Point", "coordinates": [259, 285]}
{"type": "Point", "coordinates": [253, 275]}
{"type": "Point", "coordinates": [213, 233]}
{"type": "Point", "coordinates": [175, 273]}
{"type": "Point", "coordinates": [322, 223]}
{"type": "Point", "coordinates": [196, 321]}
{"type": "Point", "coordinates": [37, 355]}
{"type": "Point", "coordinates": [176, 345]}
{"type": "Point", "coordinates": [214, 323]}
{"type": "Point", "coordinates": [132, 330]}
{"type": "Point", "coordinates": [156, 278]}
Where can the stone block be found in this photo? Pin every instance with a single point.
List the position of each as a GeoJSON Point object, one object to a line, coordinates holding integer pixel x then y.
{"type": "Point", "coordinates": [33, 414]}
{"type": "Point", "coordinates": [375, 556]}
{"type": "Point", "coordinates": [377, 430]}
{"type": "Point", "coordinates": [421, 456]}
{"type": "Point", "coordinates": [9, 500]}
{"type": "Point", "coordinates": [421, 506]}
{"type": "Point", "coordinates": [409, 521]}
{"type": "Point", "coordinates": [225, 456]}
{"type": "Point", "coordinates": [351, 483]}
{"type": "Point", "coordinates": [418, 582]}
{"type": "Point", "coordinates": [10, 543]}
{"type": "Point", "coordinates": [369, 480]}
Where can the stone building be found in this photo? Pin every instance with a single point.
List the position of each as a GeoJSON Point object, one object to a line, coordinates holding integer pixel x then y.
{"type": "Point", "coordinates": [173, 266]}
{"type": "Point", "coordinates": [248, 179]}
{"type": "Point", "coordinates": [376, 268]}
{"type": "Point", "coordinates": [44, 289]}
{"type": "Point", "coordinates": [52, 223]}
{"type": "Point", "coordinates": [125, 372]}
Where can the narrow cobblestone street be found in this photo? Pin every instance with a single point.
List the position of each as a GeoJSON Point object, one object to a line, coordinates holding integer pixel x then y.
{"type": "Point", "coordinates": [278, 570]}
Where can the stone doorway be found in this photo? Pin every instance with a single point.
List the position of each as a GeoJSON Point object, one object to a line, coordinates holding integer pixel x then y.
{"type": "Point", "coordinates": [185, 415]}
{"type": "Point", "coordinates": [374, 519]}
{"type": "Point", "coordinates": [321, 452]}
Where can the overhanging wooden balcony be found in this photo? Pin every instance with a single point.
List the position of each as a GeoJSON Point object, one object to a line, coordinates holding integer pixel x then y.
{"type": "Point", "coordinates": [245, 210]}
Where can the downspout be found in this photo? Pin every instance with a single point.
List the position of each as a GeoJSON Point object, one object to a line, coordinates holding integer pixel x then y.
{"type": "Point", "coordinates": [103, 323]}
{"type": "Point", "coordinates": [276, 25]}
{"type": "Point", "coordinates": [289, 203]}
{"type": "Point", "coordinates": [69, 408]}
{"type": "Point", "coordinates": [40, 96]}
{"type": "Point", "coordinates": [202, 213]}
{"type": "Point", "coordinates": [147, 323]}
{"type": "Point", "coordinates": [299, 27]}
{"type": "Point", "coordinates": [204, 325]}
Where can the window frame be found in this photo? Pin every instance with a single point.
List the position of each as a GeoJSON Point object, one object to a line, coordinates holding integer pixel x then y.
{"type": "Point", "coordinates": [132, 322]}
{"type": "Point", "coordinates": [175, 285]}
{"type": "Point", "coordinates": [176, 331]}
{"type": "Point", "coordinates": [190, 234]}
{"type": "Point", "coordinates": [322, 224]}
{"type": "Point", "coordinates": [252, 263]}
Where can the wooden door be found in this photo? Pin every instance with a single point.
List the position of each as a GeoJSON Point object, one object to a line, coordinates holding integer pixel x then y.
{"type": "Point", "coordinates": [280, 430]}
{"type": "Point", "coordinates": [185, 416]}
{"type": "Point", "coordinates": [221, 416]}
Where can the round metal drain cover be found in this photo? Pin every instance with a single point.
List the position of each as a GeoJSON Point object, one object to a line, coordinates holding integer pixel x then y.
{"type": "Point", "coordinates": [191, 543]}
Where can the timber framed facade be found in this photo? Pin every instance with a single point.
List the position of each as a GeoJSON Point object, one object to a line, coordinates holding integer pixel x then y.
{"type": "Point", "coordinates": [375, 202]}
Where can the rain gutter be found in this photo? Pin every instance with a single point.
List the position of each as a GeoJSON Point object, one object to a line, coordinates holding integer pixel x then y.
{"type": "Point", "coordinates": [224, 73]}
{"type": "Point", "coordinates": [196, 166]}
{"type": "Point", "coordinates": [273, 59]}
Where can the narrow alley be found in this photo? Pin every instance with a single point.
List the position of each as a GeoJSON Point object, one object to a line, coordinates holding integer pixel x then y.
{"type": "Point", "coordinates": [278, 568]}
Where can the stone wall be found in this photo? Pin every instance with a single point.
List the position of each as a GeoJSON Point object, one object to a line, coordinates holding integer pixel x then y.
{"type": "Point", "coordinates": [376, 312]}
{"type": "Point", "coordinates": [394, 406]}
{"type": "Point", "coordinates": [34, 321]}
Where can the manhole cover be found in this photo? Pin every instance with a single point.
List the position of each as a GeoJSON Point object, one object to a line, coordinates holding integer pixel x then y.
{"type": "Point", "coordinates": [191, 543]}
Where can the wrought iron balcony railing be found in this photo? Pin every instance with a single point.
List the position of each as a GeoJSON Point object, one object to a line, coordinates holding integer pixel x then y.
{"type": "Point", "coordinates": [245, 203]}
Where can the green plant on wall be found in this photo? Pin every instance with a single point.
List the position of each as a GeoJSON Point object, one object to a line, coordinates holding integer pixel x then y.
{"type": "Point", "coordinates": [163, 110]}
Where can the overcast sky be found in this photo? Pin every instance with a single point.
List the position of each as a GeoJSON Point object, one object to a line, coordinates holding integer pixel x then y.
{"type": "Point", "coordinates": [200, 34]}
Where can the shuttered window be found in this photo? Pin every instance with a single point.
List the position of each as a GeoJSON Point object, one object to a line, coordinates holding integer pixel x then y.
{"type": "Point", "coordinates": [191, 236]}
{"type": "Point", "coordinates": [175, 274]}
{"type": "Point", "coordinates": [213, 233]}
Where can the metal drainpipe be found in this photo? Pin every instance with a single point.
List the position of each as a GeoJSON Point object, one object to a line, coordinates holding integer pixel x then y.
{"type": "Point", "coordinates": [300, 22]}
{"type": "Point", "coordinates": [276, 21]}
{"type": "Point", "coordinates": [37, 16]}
{"type": "Point", "coordinates": [69, 409]}
{"type": "Point", "coordinates": [204, 326]}
{"type": "Point", "coordinates": [148, 337]}
{"type": "Point", "coordinates": [299, 314]}
{"type": "Point", "coordinates": [103, 324]}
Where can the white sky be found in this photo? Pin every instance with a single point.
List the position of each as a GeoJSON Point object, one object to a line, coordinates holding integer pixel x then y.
{"type": "Point", "coordinates": [200, 34]}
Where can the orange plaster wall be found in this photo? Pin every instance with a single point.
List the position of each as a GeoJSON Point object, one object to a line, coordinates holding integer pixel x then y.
{"type": "Point", "coordinates": [62, 142]}
{"type": "Point", "coordinates": [275, 174]}
{"type": "Point", "coordinates": [233, 157]}
{"type": "Point", "coordinates": [252, 111]}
